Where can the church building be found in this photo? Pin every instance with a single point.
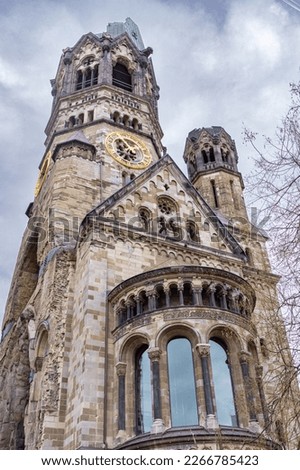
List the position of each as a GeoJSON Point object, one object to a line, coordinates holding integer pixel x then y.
{"type": "Point", "coordinates": [142, 312]}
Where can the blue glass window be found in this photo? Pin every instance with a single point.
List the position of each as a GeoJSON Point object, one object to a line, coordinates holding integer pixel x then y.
{"type": "Point", "coordinates": [222, 384]}
{"type": "Point", "coordinates": [182, 383]}
{"type": "Point", "coordinates": [143, 392]}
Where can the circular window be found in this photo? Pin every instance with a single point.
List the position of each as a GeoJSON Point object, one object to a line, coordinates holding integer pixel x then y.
{"type": "Point", "coordinates": [166, 206]}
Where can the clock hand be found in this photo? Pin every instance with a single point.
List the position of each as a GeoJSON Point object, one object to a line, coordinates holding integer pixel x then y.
{"type": "Point", "coordinates": [133, 147]}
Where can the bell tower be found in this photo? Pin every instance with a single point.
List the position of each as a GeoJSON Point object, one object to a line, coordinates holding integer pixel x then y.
{"type": "Point", "coordinates": [211, 157]}
{"type": "Point", "coordinates": [103, 129]}
{"type": "Point", "coordinates": [139, 315]}
{"type": "Point", "coordinates": [102, 133]}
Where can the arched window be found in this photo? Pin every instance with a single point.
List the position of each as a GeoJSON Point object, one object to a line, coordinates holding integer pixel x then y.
{"type": "Point", "coordinates": [72, 121]}
{"type": "Point", "coordinates": [211, 154]}
{"type": "Point", "coordinates": [222, 383]}
{"type": "Point", "coordinates": [174, 295]}
{"type": "Point", "coordinates": [116, 117]}
{"type": "Point", "coordinates": [161, 301]}
{"type": "Point", "coordinates": [125, 178]}
{"type": "Point", "coordinates": [90, 116]}
{"type": "Point", "coordinates": [187, 294]}
{"type": "Point", "coordinates": [143, 397]}
{"type": "Point", "coordinates": [42, 347]}
{"type": "Point", "coordinates": [95, 75]}
{"type": "Point", "coordinates": [205, 296]}
{"type": "Point", "coordinates": [88, 77]}
{"type": "Point", "coordinates": [80, 120]}
{"type": "Point", "coordinates": [125, 120]}
{"type": "Point", "coordinates": [145, 219]}
{"type": "Point", "coordinates": [214, 193]}
{"type": "Point", "coordinates": [79, 80]}
{"type": "Point", "coordinates": [135, 124]}
{"type": "Point", "coordinates": [225, 154]}
{"type": "Point", "coordinates": [122, 312]}
{"type": "Point", "coordinates": [219, 297]}
{"type": "Point", "coordinates": [143, 302]}
{"type": "Point", "coordinates": [121, 77]}
{"type": "Point", "coordinates": [192, 231]}
{"type": "Point", "coordinates": [204, 156]}
{"type": "Point", "coordinates": [166, 205]}
{"type": "Point", "coordinates": [182, 383]}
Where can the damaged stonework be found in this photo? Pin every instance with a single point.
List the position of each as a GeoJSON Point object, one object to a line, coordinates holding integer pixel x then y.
{"type": "Point", "coordinates": [124, 261]}
{"type": "Point", "coordinates": [46, 386]}
{"type": "Point", "coordinates": [14, 386]}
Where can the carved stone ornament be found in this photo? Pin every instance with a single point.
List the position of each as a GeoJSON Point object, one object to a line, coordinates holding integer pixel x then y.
{"type": "Point", "coordinates": [154, 354]}
{"type": "Point", "coordinates": [121, 368]}
{"type": "Point", "coordinates": [244, 356]}
{"type": "Point", "coordinates": [203, 349]}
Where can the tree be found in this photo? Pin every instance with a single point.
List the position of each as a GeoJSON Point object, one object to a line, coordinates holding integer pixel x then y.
{"type": "Point", "coordinates": [275, 184]}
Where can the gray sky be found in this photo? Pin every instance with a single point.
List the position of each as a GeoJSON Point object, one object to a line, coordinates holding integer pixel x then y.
{"type": "Point", "coordinates": [217, 62]}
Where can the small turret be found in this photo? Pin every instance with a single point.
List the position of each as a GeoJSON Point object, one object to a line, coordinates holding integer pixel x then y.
{"type": "Point", "coordinates": [211, 157]}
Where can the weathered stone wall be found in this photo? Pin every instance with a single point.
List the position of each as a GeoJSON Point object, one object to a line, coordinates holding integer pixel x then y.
{"type": "Point", "coordinates": [14, 386]}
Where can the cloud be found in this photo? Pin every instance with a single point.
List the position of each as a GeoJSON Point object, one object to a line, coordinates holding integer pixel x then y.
{"type": "Point", "coordinates": [292, 4]}
{"type": "Point", "coordinates": [217, 63]}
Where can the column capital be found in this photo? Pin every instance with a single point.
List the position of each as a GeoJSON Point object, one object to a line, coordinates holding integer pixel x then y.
{"type": "Point", "coordinates": [244, 356]}
{"type": "Point", "coordinates": [203, 349]}
{"type": "Point", "coordinates": [154, 354]}
{"type": "Point", "coordinates": [212, 287]}
{"type": "Point", "coordinates": [166, 287]}
{"type": "Point", "coordinates": [121, 368]}
{"type": "Point", "coordinates": [150, 289]}
{"type": "Point", "coordinates": [197, 287]}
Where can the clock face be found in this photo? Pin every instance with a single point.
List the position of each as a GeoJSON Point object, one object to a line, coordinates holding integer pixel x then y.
{"type": "Point", "coordinates": [128, 150]}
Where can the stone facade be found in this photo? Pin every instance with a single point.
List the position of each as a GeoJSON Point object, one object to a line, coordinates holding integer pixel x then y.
{"type": "Point", "coordinates": [122, 255]}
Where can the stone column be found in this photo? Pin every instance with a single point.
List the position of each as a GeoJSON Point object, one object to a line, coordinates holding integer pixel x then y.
{"type": "Point", "coordinates": [224, 300]}
{"type": "Point", "coordinates": [181, 300]}
{"type": "Point", "coordinates": [199, 292]}
{"type": "Point", "coordinates": [138, 305]}
{"type": "Point", "coordinates": [259, 373]}
{"type": "Point", "coordinates": [203, 351]}
{"type": "Point", "coordinates": [212, 299]}
{"type": "Point", "coordinates": [154, 301]}
{"type": "Point", "coordinates": [244, 358]}
{"type": "Point", "coordinates": [67, 84]}
{"type": "Point", "coordinates": [129, 304]}
{"type": "Point", "coordinates": [235, 296]}
{"type": "Point", "coordinates": [157, 425]}
{"type": "Point", "coordinates": [195, 296]}
{"type": "Point", "coordinates": [121, 371]}
{"type": "Point", "coordinates": [142, 79]}
{"type": "Point", "coordinates": [105, 67]}
{"type": "Point", "coordinates": [149, 297]}
{"type": "Point", "coordinates": [167, 292]}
